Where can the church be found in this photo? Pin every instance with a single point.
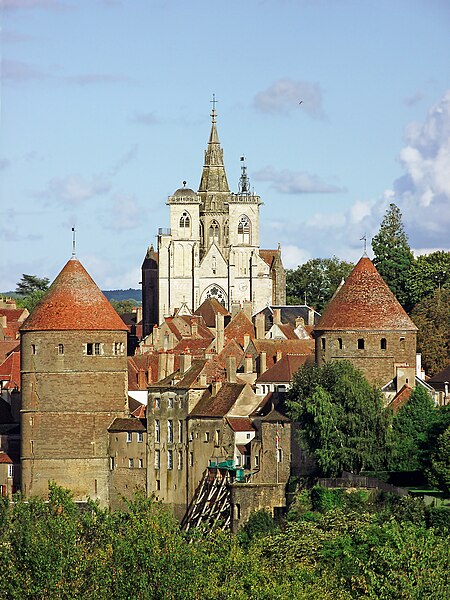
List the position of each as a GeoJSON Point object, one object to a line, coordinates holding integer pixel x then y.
{"type": "Point", "coordinates": [212, 248]}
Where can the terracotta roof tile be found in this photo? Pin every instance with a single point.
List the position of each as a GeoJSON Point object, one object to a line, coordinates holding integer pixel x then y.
{"type": "Point", "coordinates": [364, 302]}
{"type": "Point", "coordinates": [8, 346]}
{"type": "Point", "coordinates": [232, 348]}
{"type": "Point", "coordinates": [208, 309]}
{"type": "Point", "coordinates": [239, 325]}
{"type": "Point", "coordinates": [124, 424]}
{"type": "Point", "coordinates": [268, 256]}
{"type": "Point", "coordinates": [74, 302]}
{"type": "Point", "coordinates": [240, 424]}
{"type": "Point", "coordinates": [271, 347]}
{"type": "Point", "coordinates": [5, 458]}
{"type": "Point", "coordinates": [401, 398]}
{"type": "Point", "coordinates": [284, 370]}
{"type": "Point", "coordinates": [221, 403]}
{"type": "Point", "coordinates": [10, 371]}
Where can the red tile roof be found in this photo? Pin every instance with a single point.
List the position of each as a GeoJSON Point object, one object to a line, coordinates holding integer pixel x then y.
{"type": "Point", "coordinates": [124, 424]}
{"type": "Point", "coordinates": [401, 398]}
{"type": "Point", "coordinates": [268, 256]}
{"type": "Point", "coordinates": [284, 370]}
{"type": "Point", "coordinates": [240, 424]}
{"type": "Point", "coordinates": [10, 371]}
{"type": "Point", "coordinates": [364, 302]}
{"type": "Point", "coordinates": [221, 403]}
{"type": "Point", "coordinates": [5, 458]}
{"type": "Point", "coordinates": [8, 346]}
{"type": "Point", "coordinates": [239, 325]}
{"type": "Point", "coordinates": [74, 302]}
{"type": "Point", "coordinates": [209, 308]}
{"type": "Point", "coordinates": [271, 347]}
{"type": "Point", "coordinates": [232, 348]}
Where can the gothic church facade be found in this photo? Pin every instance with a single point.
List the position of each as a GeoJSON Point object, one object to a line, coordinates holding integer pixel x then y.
{"type": "Point", "coordinates": [211, 249]}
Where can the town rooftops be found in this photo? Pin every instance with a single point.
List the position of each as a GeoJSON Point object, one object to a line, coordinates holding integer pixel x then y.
{"type": "Point", "coordinates": [284, 370]}
{"type": "Point", "coordinates": [364, 302]}
{"type": "Point", "coordinates": [220, 404]}
{"type": "Point", "coordinates": [126, 424]}
{"type": "Point", "coordinates": [209, 308]}
{"type": "Point", "coordinates": [74, 302]}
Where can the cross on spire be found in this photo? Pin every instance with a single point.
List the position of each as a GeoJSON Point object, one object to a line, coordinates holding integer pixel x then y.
{"type": "Point", "coordinates": [213, 112]}
{"type": "Point", "coordinates": [73, 241]}
{"type": "Point", "coordinates": [365, 243]}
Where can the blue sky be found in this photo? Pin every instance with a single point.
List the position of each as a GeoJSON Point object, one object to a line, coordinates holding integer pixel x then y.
{"type": "Point", "coordinates": [105, 111]}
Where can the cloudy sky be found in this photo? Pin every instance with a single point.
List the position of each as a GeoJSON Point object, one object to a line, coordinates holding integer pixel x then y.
{"type": "Point", "coordinates": [105, 110]}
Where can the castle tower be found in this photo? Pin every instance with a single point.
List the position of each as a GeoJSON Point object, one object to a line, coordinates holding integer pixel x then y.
{"type": "Point", "coordinates": [364, 323]}
{"type": "Point", "coordinates": [149, 272]}
{"type": "Point", "coordinates": [74, 384]}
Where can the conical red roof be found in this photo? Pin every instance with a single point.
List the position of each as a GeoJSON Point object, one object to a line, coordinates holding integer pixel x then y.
{"type": "Point", "coordinates": [74, 301]}
{"type": "Point", "coordinates": [364, 302]}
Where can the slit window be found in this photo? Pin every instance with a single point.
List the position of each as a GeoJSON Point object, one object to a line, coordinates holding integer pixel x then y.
{"type": "Point", "coordinates": [340, 344]}
{"type": "Point", "coordinates": [383, 344]}
{"type": "Point", "coordinates": [323, 343]}
{"type": "Point", "coordinates": [402, 343]}
{"type": "Point", "coordinates": [60, 349]}
{"type": "Point", "coordinates": [361, 344]}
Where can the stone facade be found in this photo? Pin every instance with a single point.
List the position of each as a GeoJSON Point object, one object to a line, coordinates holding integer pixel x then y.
{"type": "Point", "coordinates": [211, 249]}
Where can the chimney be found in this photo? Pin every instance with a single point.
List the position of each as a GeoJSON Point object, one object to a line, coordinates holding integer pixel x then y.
{"type": "Point", "coordinates": [138, 314]}
{"type": "Point", "coordinates": [235, 308]}
{"type": "Point", "coordinates": [262, 362]}
{"type": "Point", "coordinates": [231, 369]}
{"type": "Point", "coordinates": [194, 328]}
{"type": "Point", "coordinates": [162, 365]}
{"type": "Point", "coordinates": [260, 324]}
{"type": "Point", "coordinates": [219, 332]}
{"type": "Point", "coordinates": [277, 316]}
{"type": "Point", "coordinates": [246, 340]}
{"type": "Point", "coordinates": [311, 316]}
{"type": "Point", "coordinates": [155, 336]}
{"type": "Point", "coordinates": [170, 362]}
{"type": "Point", "coordinates": [248, 363]}
{"type": "Point", "coordinates": [279, 355]}
{"type": "Point", "coordinates": [141, 379]}
{"type": "Point", "coordinates": [215, 387]}
{"type": "Point", "coordinates": [202, 380]}
{"type": "Point", "coordinates": [185, 361]}
{"type": "Point", "coordinates": [3, 322]}
{"type": "Point", "coordinates": [247, 307]}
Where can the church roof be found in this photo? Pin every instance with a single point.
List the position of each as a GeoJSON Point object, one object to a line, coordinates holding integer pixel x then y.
{"type": "Point", "coordinates": [74, 302]}
{"type": "Point", "coordinates": [208, 309]}
{"type": "Point", "coordinates": [269, 256]}
{"type": "Point", "coordinates": [364, 302]}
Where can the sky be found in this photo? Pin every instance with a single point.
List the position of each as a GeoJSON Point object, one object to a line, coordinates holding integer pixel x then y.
{"type": "Point", "coordinates": [339, 106]}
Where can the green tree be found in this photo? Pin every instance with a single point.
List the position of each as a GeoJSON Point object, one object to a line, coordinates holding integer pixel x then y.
{"type": "Point", "coordinates": [123, 306]}
{"type": "Point", "coordinates": [426, 274]}
{"type": "Point", "coordinates": [413, 428]}
{"type": "Point", "coordinates": [439, 473]}
{"type": "Point", "coordinates": [393, 257]}
{"type": "Point", "coordinates": [432, 317]}
{"type": "Point", "coordinates": [341, 418]}
{"type": "Point", "coordinates": [316, 281]}
{"type": "Point", "coordinates": [30, 283]}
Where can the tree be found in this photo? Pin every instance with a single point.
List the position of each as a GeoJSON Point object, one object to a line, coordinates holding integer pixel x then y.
{"type": "Point", "coordinates": [426, 274]}
{"type": "Point", "coordinates": [341, 418]}
{"type": "Point", "coordinates": [413, 428]}
{"type": "Point", "coordinates": [123, 306]}
{"type": "Point", "coordinates": [316, 281]}
{"type": "Point", "coordinates": [432, 317]}
{"type": "Point", "coordinates": [439, 473]}
{"type": "Point", "coordinates": [393, 257]}
{"type": "Point", "coordinates": [30, 284]}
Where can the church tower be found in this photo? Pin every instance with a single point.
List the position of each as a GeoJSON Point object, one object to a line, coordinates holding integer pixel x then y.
{"type": "Point", "coordinates": [74, 384]}
{"type": "Point", "coordinates": [211, 249]}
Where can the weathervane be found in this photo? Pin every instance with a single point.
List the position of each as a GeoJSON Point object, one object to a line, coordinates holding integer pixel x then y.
{"type": "Point", "coordinates": [213, 102]}
{"type": "Point", "coordinates": [73, 241]}
{"type": "Point", "coordinates": [365, 244]}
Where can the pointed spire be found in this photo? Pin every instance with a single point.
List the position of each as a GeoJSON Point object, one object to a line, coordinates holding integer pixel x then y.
{"type": "Point", "coordinates": [214, 179]}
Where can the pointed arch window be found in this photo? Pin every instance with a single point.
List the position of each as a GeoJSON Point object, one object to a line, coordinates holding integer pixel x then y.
{"type": "Point", "coordinates": [226, 233]}
{"type": "Point", "coordinates": [185, 220]}
{"type": "Point", "coordinates": [244, 230]}
{"type": "Point", "coordinates": [214, 231]}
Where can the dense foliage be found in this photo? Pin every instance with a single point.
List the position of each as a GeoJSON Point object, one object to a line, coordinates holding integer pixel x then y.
{"type": "Point", "coordinates": [428, 273]}
{"type": "Point", "coordinates": [123, 306]}
{"type": "Point", "coordinates": [341, 418]}
{"type": "Point", "coordinates": [392, 254]}
{"type": "Point", "coordinates": [334, 545]}
{"type": "Point", "coordinates": [30, 290]}
{"type": "Point", "coordinates": [315, 282]}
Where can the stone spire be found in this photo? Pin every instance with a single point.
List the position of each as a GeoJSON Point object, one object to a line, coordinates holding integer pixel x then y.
{"type": "Point", "coordinates": [213, 184]}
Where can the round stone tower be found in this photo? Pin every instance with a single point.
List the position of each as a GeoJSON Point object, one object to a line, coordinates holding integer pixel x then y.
{"type": "Point", "coordinates": [74, 384]}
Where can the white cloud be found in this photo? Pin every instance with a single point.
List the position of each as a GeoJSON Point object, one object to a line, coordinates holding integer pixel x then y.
{"type": "Point", "coordinates": [286, 95]}
{"type": "Point", "coordinates": [296, 182]}
{"type": "Point", "coordinates": [144, 118]}
{"type": "Point", "coordinates": [125, 159]}
{"type": "Point", "coordinates": [293, 256]}
{"type": "Point", "coordinates": [125, 213]}
{"type": "Point", "coordinates": [73, 188]}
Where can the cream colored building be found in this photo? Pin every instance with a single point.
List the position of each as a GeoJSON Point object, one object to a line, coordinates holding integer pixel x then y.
{"type": "Point", "coordinates": [212, 248]}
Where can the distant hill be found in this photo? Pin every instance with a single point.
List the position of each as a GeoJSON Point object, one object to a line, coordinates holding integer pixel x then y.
{"type": "Point", "coordinates": [121, 295]}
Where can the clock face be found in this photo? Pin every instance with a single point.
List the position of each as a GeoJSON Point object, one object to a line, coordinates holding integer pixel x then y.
{"type": "Point", "coordinates": [243, 287]}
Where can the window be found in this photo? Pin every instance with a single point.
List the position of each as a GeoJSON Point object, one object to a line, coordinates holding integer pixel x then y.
{"type": "Point", "coordinates": [191, 459]}
{"type": "Point", "coordinates": [340, 345]}
{"type": "Point", "coordinates": [93, 348]}
{"type": "Point", "coordinates": [214, 232]}
{"type": "Point", "coordinates": [402, 343]}
{"type": "Point", "coordinates": [130, 463]}
{"type": "Point", "coordinates": [10, 470]}
{"type": "Point", "coordinates": [279, 455]}
{"type": "Point", "coordinates": [112, 463]}
{"type": "Point", "coordinates": [185, 220]}
{"type": "Point", "coordinates": [33, 348]}
{"type": "Point", "coordinates": [361, 344]}
{"type": "Point", "coordinates": [170, 402]}
{"type": "Point", "coordinates": [180, 431]}
{"type": "Point", "coordinates": [244, 230]}
{"type": "Point", "coordinates": [170, 459]}
{"type": "Point", "coordinates": [226, 233]}
{"type": "Point", "coordinates": [129, 436]}
{"type": "Point", "coordinates": [170, 431]}
{"type": "Point", "coordinates": [158, 485]}
{"type": "Point", "coordinates": [248, 436]}
{"type": "Point", "coordinates": [140, 436]}
{"type": "Point", "coordinates": [206, 436]}
{"type": "Point", "coordinates": [157, 459]}
{"type": "Point", "coordinates": [157, 403]}
{"type": "Point", "coordinates": [60, 348]}
{"type": "Point", "coordinates": [383, 344]}
{"type": "Point", "coordinates": [256, 461]}
{"type": "Point", "coordinates": [141, 463]}
{"type": "Point", "coordinates": [118, 348]}
{"type": "Point", "coordinates": [323, 342]}
{"type": "Point", "coordinates": [157, 431]}
{"type": "Point", "coordinates": [180, 460]}
{"type": "Point", "coordinates": [216, 437]}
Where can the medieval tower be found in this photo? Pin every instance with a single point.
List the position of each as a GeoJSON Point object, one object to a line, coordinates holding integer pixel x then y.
{"type": "Point", "coordinates": [364, 323]}
{"type": "Point", "coordinates": [211, 249]}
{"type": "Point", "coordinates": [74, 383]}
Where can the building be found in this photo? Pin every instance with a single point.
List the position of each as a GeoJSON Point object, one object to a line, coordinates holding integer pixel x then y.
{"type": "Point", "coordinates": [211, 249]}
{"type": "Point", "coordinates": [74, 385]}
{"type": "Point", "coordinates": [365, 324]}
